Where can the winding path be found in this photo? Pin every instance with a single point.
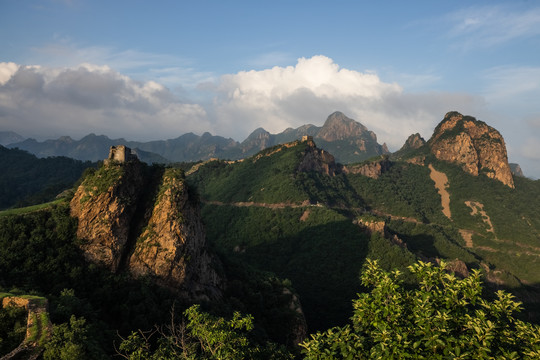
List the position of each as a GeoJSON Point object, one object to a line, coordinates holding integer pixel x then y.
{"type": "Point", "coordinates": [38, 326]}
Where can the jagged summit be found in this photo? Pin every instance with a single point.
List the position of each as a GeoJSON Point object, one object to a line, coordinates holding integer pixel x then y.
{"type": "Point", "coordinates": [339, 127]}
{"type": "Point", "coordinates": [474, 145]}
{"type": "Point", "coordinates": [348, 140]}
{"type": "Point", "coordinates": [259, 139]}
{"type": "Point", "coordinates": [143, 221]}
{"type": "Point", "coordinates": [414, 141]}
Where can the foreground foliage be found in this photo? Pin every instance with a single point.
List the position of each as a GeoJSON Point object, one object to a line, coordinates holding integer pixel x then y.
{"type": "Point", "coordinates": [201, 336]}
{"type": "Point", "coordinates": [443, 318]}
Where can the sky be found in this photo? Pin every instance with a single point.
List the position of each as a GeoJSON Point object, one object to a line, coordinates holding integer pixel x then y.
{"type": "Point", "coordinates": [150, 70]}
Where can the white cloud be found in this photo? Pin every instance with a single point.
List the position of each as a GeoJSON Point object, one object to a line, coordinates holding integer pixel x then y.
{"type": "Point", "coordinates": [46, 101]}
{"type": "Point", "coordinates": [6, 71]}
{"type": "Point", "coordinates": [40, 101]}
{"type": "Point", "coordinates": [291, 96]}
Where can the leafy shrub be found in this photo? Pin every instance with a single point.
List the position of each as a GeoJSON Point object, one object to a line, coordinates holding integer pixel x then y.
{"type": "Point", "coordinates": [443, 318]}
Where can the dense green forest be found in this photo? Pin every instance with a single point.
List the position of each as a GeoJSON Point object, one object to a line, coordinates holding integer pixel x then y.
{"type": "Point", "coordinates": [26, 180]}
{"type": "Point", "coordinates": [283, 234]}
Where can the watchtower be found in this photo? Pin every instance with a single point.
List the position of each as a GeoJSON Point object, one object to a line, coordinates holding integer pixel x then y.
{"type": "Point", "coordinates": [120, 153]}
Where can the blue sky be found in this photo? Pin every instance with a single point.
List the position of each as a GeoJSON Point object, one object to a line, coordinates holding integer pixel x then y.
{"type": "Point", "coordinates": [148, 70]}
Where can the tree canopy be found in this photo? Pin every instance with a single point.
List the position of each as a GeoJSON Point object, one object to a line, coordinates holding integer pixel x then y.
{"type": "Point", "coordinates": [444, 317]}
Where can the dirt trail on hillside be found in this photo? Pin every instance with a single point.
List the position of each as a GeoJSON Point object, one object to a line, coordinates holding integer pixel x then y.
{"type": "Point", "coordinates": [441, 183]}
{"type": "Point", "coordinates": [263, 205]}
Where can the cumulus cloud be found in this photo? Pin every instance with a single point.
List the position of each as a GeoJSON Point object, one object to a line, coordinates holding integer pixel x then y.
{"type": "Point", "coordinates": [291, 96]}
{"type": "Point", "coordinates": [6, 71]}
{"type": "Point", "coordinates": [51, 101]}
{"type": "Point", "coordinates": [38, 102]}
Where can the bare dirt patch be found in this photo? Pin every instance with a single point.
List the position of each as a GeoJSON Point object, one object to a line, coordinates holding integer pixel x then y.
{"type": "Point", "coordinates": [478, 208]}
{"type": "Point", "coordinates": [441, 183]}
{"type": "Point", "coordinates": [305, 215]}
{"type": "Point", "coordinates": [467, 236]}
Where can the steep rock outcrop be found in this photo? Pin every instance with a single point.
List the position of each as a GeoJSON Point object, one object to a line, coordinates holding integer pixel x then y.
{"type": "Point", "coordinates": [172, 247]}
{"type": "Point", "coordinates": [318, 160]}
{"type": "Point", "coordinates": [474, 145]}
{"type": "Point", "coordinates": [339, 131]}
{"type": "Point", "coordinates": [408, 150]}
{"type": "Point", "coordinates": [414, 141]}
{"type": "Point", "coordinates": [124, 227]}
{"type": "Point", "coordinates": [373, 169]}
{"type": "Point", "coordinates": [105, 204]}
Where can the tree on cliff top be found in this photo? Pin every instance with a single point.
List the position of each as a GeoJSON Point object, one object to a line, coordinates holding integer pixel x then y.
{"type": "Point", "coordinates": [444, 318]}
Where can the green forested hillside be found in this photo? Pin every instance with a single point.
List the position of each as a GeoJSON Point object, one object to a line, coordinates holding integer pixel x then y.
{"type": "Point", "coordinates": [26, 180]}
{"type": "Point", "coordinates": [284, 236]}
{"type": "Point", "coordinates": [299, 225]}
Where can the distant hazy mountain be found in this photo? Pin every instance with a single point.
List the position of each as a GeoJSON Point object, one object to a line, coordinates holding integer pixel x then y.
{"type": "Point", "coordinates": [516, 170]}
{"type": "Point", "coordinates": [347, 139]}
{"type": "Point", "coordinates": [9, 137]}
{"type": "Point", "coordinates": [90, 148]}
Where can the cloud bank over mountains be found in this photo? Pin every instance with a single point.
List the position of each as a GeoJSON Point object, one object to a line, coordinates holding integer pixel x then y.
{"type": "Point", "coordinates": [45, 102]}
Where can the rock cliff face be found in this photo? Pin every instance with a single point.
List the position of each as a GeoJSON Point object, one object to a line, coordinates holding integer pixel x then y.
{"type": "Point", "coordinates": [162, 237]}
{"type": "Point", "coordinates": [172, 247]}
{"type": "Point", "coordinates": [414, 141]}
{"type": "Point", "coordinates": [477, 147]}
{"type": "Point", "coordinates": [258, 140]}
{"type": "Point", "coordinates": [105, 204]}
{"type": "Point", "coordinates": [341, 131]}
{"type": "Point", "coordinates": [372, 169]}
{"type": "Point", "coordinates": [318, 160]}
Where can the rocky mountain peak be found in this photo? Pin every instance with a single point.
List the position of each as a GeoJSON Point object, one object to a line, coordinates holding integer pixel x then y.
{"type": "Point", "coordinates": [258, 140]}
{"type": "Point", "coordinates": [414, 141]}
{"type": "Point", "coordinates": [144, 221]}
{"type": "Point", "coordinates": [473, 144]}
{"type": "Point", "coordinates": [339, 127]}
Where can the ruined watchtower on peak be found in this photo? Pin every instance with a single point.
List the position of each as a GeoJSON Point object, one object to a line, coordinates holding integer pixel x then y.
{"type": "Point", "coordinates": [308, 139]}
{"type": "Point", "coordinates": [120, 153]}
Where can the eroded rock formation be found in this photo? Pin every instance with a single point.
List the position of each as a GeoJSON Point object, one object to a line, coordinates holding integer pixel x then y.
{"type": "Point", "coordinates": [105, 204]}
{"type": "Point", "coordinates": [373, 169]}
{"type": "Point", "coordinates": [317, 160]}
{"type": "Point", "coordinates": [172, 246]}
{"type": "Point", "coordinates": [474, 145]}
{"type": "Point", "coordinates": [124, 227]}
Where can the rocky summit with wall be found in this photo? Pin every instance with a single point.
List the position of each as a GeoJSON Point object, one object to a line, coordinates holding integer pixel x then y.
{"type": "Point", "coordinates": [143, 220]}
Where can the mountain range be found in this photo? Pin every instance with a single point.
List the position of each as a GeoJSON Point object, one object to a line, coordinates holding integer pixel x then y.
{"type": "Point", "coordinates": [347, 139]}
{"type": "Point", "coordinates": [282, 234]}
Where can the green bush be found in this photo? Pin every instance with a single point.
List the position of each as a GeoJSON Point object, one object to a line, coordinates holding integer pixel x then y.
{"type": "Point", "coordinates": [443, 318]}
